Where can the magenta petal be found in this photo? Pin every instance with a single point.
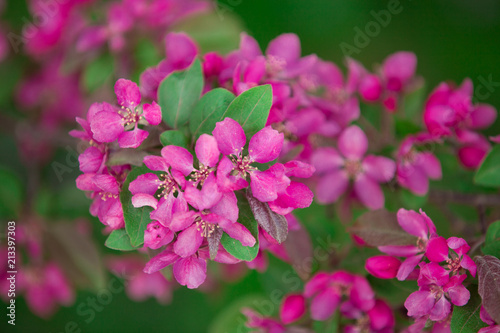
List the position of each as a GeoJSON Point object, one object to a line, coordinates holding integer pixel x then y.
{"type": "Point", "coordinates": [383, 267]}
{"type": "Point", "coordinates": [483, 116]}
{"type": "Point", "coordinates": [181, 220]}
{"type": "Point", "coordinates": [152, 113]}
{"type": "Point", "coordinates": [178, 158]}
{"type": "Point", "coordinates": [430, 164]}
{"type": "Point", "coordinates": [297, 195]}
{"type": "Point", "coordinates": [156, 163]}
{"type": "Point", "coordinates": [146, 183]}
{"type": "Point", "coordinates": [381, 316]}
{"type": "Point", "coordinates": [413, 178]}
{"type": "Point", "coordinates": [188, 241]}
{"type": "Point", "coordinates": [353, 143]}
{"type": "Point", "coordinates": [249, 47]}
{"type": "Point", "coordinates": [325, 159]}
{"type": "Point", "coordinates": [160, 261]}
{"type": "Point", "coordinates": [413, 223]}
{"type": "Point", "coordinates": [471, 156]}
{"type": "Point", "coordinates": [399, 250]}
{"type": "Point", "coordinates": [237, 231]}
{"type": "Point", "coordinates": [370, 88]}
{"type": "Point", "coordinates": [141, 200]}
{"type": "Point", "coordinates": [90, 160]}
{"type": "Point", "coordinates": [265, 145]}
{"type": "Point", "coordinates": [107, 183]}
{"type": "Point", "coordinates": [317, 283]}
{"type": "Point", "coordinates": [263, 185]}
{"type": "Point", "coordinates": [469, 264]}
{"type": "Point", "coordinates": [106, 126]}
{"type": "Point", "coordinates": [230, 136]}
{"type": "Point", "coordinates": [180, 49]}
{"type": "Point", "coordinates": [286, 47]}
{"type": "Point", "coordinates": [292, 308]}
{"type": "Point", "coordinates": [127, 93]}
{"type": "Point", "coordinates": [206, 150]}
{"type": "Point", "coordinates": [332, 186]}
{"type": "Point", "coordinates": [408, 266]}
{"type": "Point", "coordinates": [85, 182]}
{"type": "Point", "coordinates": [299, 169]}
{"type": "Point", "coordinates": [369, 192]}
{"type": "Point", "coordinates": [227, 182]}
{"type": "Point", "coordinates": [441, 310]}
{"type": "Point", "coordinates": [133, 138]}
{"type": "Point", "coordinates": [156, 236]}
{"type": "Point", "coordinates": [190, 272]}
{"type": "Point", "coordinates": [325, 304]}
{"type": "Point", "coordinates": [398, 68]}
{"type": "Point", "coordinates": [362, 295]}
{"type": "Point", "coordinates": [379, 168]}
{"type": "Point", "coordinates": [227, 207]}
{"type": "Point", "coordinates": [459, 295]}
{"type": "Point", "coordinates": [419, 303]}
{"type": "Point", "coordinates": [437, 249]}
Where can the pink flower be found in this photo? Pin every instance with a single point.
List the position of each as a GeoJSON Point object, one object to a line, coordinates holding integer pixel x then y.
{"type": "Point", "coordinates": [414, 167]}
{"type": "Point", "coordinates": [140, 286]}
{"type": "Point", "coordinates": [292, 308]}
{"type": "Point", "coordinates": [180, 52]}
{"type": "Point", "coordinates": [436, 292]}
{"type": "Point", "coordinates": [156, 235]}
{"type": "Point", "coordinates": [438, 251]}
{"type": "Point", "coordinates": [419, 225]}
{"type": "Point", "coordinates": [396, 77]}
{"type": "Point", "coordinates": [336, 170]}
{"type": "Point", "coordinates": [265, 146]}
{"type": "Point", "coordinates": [449, 111]}
{"type": "Point", "coordinates": [266, 325]}
{"type": "Point", "coordinates": [110, 124]}
{"type": "Point", "coordinates": [486, 318]}
{"type": "Point", "coordinates": [45, 287]}
{"type": "Point", "coordinates": [327, 290]}
{"type": "Point", "coordinates": [383, 267]}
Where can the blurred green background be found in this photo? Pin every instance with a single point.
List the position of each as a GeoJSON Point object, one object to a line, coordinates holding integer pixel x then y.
{"type": "Point", "coordinates": [452, 40]}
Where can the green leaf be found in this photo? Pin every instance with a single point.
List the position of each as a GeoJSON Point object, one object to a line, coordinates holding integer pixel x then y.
{"type": "Point", "coordinates": [208, 111]}
{"type": "Point", "coordinates": [98, 72]}
{"type": "Point", "coordinates": [492, 240]}
{"type": "Point", "coordinates": [233, 246]}
{"type": "Point", "coordinates": [488, 173]}
{"type": "Point", "coordinates": [178, 93]}
{"type": "Point", "coordinates": [119, 240]}
{"type": "Point", "coordinates": [136, 219]}
{"type": "Point", "coordinates": [174, 138]}
{"type": "Point", "coordinates": [465, 319]}
{"type": "Point", "coordinates": [251, 109]}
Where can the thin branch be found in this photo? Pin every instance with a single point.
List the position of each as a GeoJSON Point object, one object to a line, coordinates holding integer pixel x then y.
{"type": "Point", "coordinates": [472, 199]}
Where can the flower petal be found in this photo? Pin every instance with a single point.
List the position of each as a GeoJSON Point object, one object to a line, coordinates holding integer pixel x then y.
{"type": "Point", "coordinates": [369, 192]}
{"type": "Point", "coordinates": [408, 266]}
{"type": "Point", "coordinates": [265, 145]}
{"type": "Point", "coordinates": [190, 272]}
{"type": "Point", "coordinates": [292, 308]}
{"type": "Point", "coordinates": [152, 113]}
{"type": "Point", "coordinates": [332, 186]}
{"type": "Point", "coordinates": [188, 241]}
{"type": "Point", "coordinates": [106, 126]}
{"type": "Point", "coordinates": [127, 93]}
{"type": "Point", "coordinates": [206, 150]}
{"type": "Point", "coordinates": [353, 143]}
{"type": "Point", "coordinates": [379, 168]}
{"type": "Point", "coordinates": [178, 158]}
{"type": "Point", "coordinates": [324, 304]}
{"type": "Point", "coordinates": [230, 136]}
{"type": "Point", "coordinates": [133, 138]}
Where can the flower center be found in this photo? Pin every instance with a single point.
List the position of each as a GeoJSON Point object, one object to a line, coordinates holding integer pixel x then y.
{"type": "Point", "coordinates": [454, 264]}
{"type": "Point", "coordinates": [206, 228]}
{"type": "Point", "coordinates": [353, 168]}
{"type": "Point", "coordinates": [106, 195]}
{"type": "Point", "coordinates": [129, 117]}
{"type": "Point", "coordinates": [421, 244]}
{"type": "Point", "coordinates": [166, 184]}
{"type": "Point", "coordinates": [275, 64]}
{"type": "Point", "coordinates": [242, 165]}
{"type": "Point", "coordinates": [338, 96]}
{"type": "Point", "coordinates": [200, 175]}
{"type": "Point", "coordinates": [437, 291]}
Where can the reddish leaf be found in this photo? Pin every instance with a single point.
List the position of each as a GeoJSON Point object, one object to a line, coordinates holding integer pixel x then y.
{"type": "Point", "coordinates": [273, 223]}
{"type": "Point", "coordinates": [380, 227]}
{"type": "Point", "coordinates": [214, 241]}
{"type": "Point", "coordinates": [488, 268]}
{"type": "Point", "coordinates": [299, 248]}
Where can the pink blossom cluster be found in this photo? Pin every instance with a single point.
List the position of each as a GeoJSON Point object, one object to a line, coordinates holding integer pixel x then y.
{"type": "Point", "coordinates": [107, 129]}
{"type": "Point", "coordinates": [189, 216]}
{"type": "Point", "coordinates": [43, 283]}
{"type": "Point", "coordinates": [450, 113]}
{"type": "Point", "coordinates": [323, 296]}
{"type": "Point", "coordinates": [440, 278]}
